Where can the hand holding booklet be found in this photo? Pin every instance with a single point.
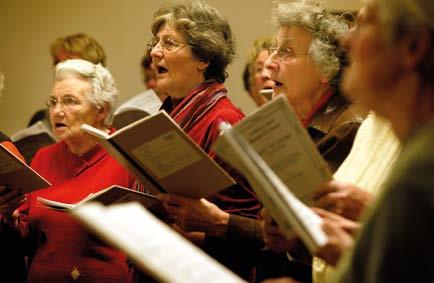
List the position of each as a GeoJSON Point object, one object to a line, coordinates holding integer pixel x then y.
{"type": "Point", "coordinates": [152, 245]}
{"type": "Point", "coordinates": [110, 195]}
{"type": "Point", "coordinates": [281, 162]}
{"type": "Point", "coordinates": [162, 156]}
{"type": "Point", "coordinates": [17, 175]}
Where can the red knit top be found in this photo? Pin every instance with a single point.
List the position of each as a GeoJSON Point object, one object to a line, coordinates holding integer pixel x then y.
{"type": "Point", "coordinates": [60, 248]}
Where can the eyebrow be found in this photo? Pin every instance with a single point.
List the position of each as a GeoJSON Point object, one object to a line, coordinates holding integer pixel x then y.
{"type": "Point", "coordinates": [286, 40]}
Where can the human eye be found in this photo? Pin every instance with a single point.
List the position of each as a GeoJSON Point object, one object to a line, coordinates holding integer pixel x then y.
{"type": "Point", "coordinates": [70, 101]}
{"type": "Point", "coordinates": [51, 101]}
{"type": "Point", "coordinates": [289, 52]}
{"type": "Point", "coordinates": [169, 43]}
{"type": "Point", "coordinates": [272, 49]}
{"type": "Point", "coordinates": [152, 43]}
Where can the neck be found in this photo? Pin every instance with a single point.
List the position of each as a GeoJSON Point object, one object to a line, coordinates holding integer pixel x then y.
{"type": "Point", "coordinates": [180, 93]}
{"type": "Point", "coordinates": [161, 95]}
{"type": "Point", "coordinates": [83, 143]}
{"type": "Point", "coordinates": [410, 105]}
{"type": "Point", "coordinates": [313, 100]}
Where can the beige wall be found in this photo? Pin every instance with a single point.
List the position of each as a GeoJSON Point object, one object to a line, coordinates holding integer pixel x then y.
{"type": "Point", "coordinates": [121, 26]}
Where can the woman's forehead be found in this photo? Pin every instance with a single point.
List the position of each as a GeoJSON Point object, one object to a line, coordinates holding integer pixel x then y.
{"type": "Point", "coordinates": [71, 85]}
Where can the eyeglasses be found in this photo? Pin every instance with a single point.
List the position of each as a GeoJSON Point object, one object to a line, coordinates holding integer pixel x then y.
{"type": "Point", "coordinates": [167, 43]}
{"type": "Point", "coordinates": [285, 53]}
{"type": "Point", "coordinates": [67, 102]}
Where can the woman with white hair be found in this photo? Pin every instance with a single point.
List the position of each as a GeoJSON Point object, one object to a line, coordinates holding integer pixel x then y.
{"type": "Point", "coordinates": [306, 65]}
{"type": "Point", "coordinates": [59, 249]}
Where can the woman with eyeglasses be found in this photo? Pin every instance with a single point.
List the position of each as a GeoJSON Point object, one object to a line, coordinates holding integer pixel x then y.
{"type": "Point", "coordinates": [58, 248]}
{"type": "Point", "coordinates": [191, 48]}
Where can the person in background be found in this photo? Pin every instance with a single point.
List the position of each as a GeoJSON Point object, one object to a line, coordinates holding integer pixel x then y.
{"type": "Point", "coordinates": [60, 249]}
{"type": "Point", "coordinates": [255, 76]}
{"type": "Point", "coordinates": [12, 266]}
{"type": "Point", "coordinates": [75, 46]}
{"type": "Point", "coordinates": [149, 72]}
{"type": "Point", "coordinates": [191, 48]}
{"type": "Point", "coordinates": [145, 103]}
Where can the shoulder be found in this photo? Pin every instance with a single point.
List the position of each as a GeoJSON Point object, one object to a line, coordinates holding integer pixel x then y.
{"type": "Point", "coordinates": [227, 111]}
{"type": "Point", "coordinates": [47, 153]}
{"type": "Point", "coordinates": [352, 113]}
{"type": "Point", "coordinates": [338, 115]}
{"type": "Point", "coordinates": [415, 165]}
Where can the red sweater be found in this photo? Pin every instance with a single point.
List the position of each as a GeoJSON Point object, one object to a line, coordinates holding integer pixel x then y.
{"type": "Point", "coordinates": [59, 247]}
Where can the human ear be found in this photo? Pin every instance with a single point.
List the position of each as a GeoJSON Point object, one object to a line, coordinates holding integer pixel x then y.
{"type": "Point", "coordinates": [202, 65]}
{"type": "Point", "coordinates": [324, 79]}
{"type": "Point", "coordinates": [102, 112]}
{"type": "Point", "coordinates": [414, 47]}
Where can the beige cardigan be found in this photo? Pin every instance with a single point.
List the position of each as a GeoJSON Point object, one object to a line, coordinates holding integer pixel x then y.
{"type": "Point", "coordinates": [367, 166]}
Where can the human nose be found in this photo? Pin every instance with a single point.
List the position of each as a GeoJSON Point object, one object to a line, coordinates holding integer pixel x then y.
{"type": "Point", "coordinates": [271, 64]}
{"type": "Point", "coordinates": [265, 74]}
{"type": "Point", "coordinates": [57, 107]}
{"type": "Point", "coordinates": [156, 52]}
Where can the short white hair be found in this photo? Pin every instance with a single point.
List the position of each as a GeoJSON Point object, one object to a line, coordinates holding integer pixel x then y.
{"type": "Point", "coordinates": [104, 91]}
{"type": "Point", "coordinates": [326, 29]}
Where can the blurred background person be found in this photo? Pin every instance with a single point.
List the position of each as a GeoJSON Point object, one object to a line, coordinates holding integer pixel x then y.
{"type": "Point", "coordinates": [143, 104]}
{"type": "Point", "coordinates": [12, 266]}
{"type": "Point", "coordinates": [59, 249]}
{"type": "Point", "coordinates": [192, 46]}
{"type": "Point", "coordinates": [149, 71]}
{"type": "Point", "coordinates": [255, 75]}
{"type": "Point", "coordinates": [75, 46]}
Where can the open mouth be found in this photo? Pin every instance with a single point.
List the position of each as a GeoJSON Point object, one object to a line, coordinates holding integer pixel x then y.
{"type": "Point", "coordinates": [59, 125]}
{"type": "Point", "coordinates": [277, 84]}
{"type": "Point", "coordinates": [161, 70]}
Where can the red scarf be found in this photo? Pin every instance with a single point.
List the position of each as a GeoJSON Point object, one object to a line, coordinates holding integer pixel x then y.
{"type": "Point", "coordinates": [319, 104]}
{"type": "Point", "coordinates": [197, 103]}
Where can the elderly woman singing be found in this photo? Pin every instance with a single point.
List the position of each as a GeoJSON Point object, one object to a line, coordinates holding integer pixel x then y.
{"type": "Point", "coordinates": [191, 48]}
{"type": "Point", "coordinates": [59, 249]}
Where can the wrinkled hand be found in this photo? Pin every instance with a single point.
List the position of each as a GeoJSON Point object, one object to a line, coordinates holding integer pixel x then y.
{"type": "Point", "coordinates": [196, 214]}
{"type": "Point", "coordinates": [9, 201]}
{"type": "Point", "coordinates": [273, 236]}
{"type": "Point", "coordinates": [339, 232]}
{"type": "Point", "coordinates": [197, 238]}
{"type": "Point", "coordinates": [344, 199]}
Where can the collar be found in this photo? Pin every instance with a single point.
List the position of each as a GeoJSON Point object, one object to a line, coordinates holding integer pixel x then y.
{"type": "Point", "coordinates": [77, 164]}
{"type": "Point", "coordinates": [325, 117]}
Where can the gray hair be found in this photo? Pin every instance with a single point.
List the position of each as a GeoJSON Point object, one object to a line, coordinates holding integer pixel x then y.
{"type": "Point", "coordinates": [207, 32]}
{"type": "Point", "coordinates": [326, 29]}
{"type": "Point", "coordinates": [400, 17]}
{"type": "Point", "coordinates": [104, 91]}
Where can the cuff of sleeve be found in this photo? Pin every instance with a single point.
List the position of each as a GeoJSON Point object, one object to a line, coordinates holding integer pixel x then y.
{"type": "Point", "coordinates": [245, 230]}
